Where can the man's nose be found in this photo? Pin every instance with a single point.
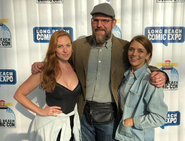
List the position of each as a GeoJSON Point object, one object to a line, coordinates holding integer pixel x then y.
{"type": "Point", "coordinates": [99, 23]}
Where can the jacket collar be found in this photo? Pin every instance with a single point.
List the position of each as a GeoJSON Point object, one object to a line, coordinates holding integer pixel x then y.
{"type": "Point", "coordinates": [116, 54]}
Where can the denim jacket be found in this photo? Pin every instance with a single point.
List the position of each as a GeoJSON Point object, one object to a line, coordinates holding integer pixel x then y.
{"type": "Point", "coordinates": [144, 103]}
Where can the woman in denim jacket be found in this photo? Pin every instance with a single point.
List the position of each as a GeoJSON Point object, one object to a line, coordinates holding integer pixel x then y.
{"type": "Point", "coordinates": [141, 102]}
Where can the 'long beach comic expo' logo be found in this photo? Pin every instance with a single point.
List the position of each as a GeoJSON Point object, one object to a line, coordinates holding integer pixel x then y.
{"type": "Point", "coordinates": [7, 76]}
{"type": "Point", "coordinates": [5, 36]}
{"type": "Point", "coordinates": [172, 119]}
{"type": "Point", "coordinates": [50, 1]}
{"type": "Point", "coordinates": [7, 116]}
{"type": "Point", "coordinates": [172, 73]}
{"type": "Point", "coordinates": [43, 34]}
{"type": "Point", "coordinates": [170, 1]}
{"type": "Point", "coordinates": [165, 35]}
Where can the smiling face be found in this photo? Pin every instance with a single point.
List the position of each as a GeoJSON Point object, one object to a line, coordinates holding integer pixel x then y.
{"type": "Point", "coordinates": [102, 27]}
{"type": "Point", "coordinates": [64, 48]}
{"type": "Point", "coordinates": [137, 55]}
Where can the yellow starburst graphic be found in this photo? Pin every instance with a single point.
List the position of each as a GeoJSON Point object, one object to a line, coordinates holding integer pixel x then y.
{"type": "Point", "coordinates": [171, 64]}
{"type": "Point", "coordinates": [8, 104]}
{"type": "Point", "coordinates": [4, 20]}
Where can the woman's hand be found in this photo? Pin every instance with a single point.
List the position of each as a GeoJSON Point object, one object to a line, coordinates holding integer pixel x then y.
{"type": "Point", "coordinates": [50, 111]}
{"type": "Point", "coordinates": [129, 122]}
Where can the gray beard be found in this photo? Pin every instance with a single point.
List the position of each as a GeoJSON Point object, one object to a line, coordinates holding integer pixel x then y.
{"type": "Point", "coordinates": [100, 39]}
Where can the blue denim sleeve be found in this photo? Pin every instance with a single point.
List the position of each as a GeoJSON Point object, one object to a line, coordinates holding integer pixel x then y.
{"type": "Point", "coordinates": [156, 109]}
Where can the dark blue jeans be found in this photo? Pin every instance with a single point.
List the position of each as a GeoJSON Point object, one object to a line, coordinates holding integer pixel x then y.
{"type": "Point", "coordinates": [90, 132]}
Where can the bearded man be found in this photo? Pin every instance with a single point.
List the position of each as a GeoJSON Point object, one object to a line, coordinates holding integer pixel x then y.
{"type": "Point", "coordinates": [100, 62]}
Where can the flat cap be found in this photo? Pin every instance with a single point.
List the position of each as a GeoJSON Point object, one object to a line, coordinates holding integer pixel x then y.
{"type": "Point", "coordinates": [103, 8]}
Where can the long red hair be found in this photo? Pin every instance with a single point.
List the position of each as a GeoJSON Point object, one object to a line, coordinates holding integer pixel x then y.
{"type": "Point", "coordinates": [51, 64]}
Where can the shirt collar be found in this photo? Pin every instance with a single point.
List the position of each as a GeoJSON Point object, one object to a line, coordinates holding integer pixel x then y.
{"type": "Point", "coordinates": [138, 72]}
{"type": "Point", "coordinates": [107, 44]}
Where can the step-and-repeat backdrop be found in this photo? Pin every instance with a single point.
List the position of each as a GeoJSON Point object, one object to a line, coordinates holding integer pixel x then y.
{"type": "Point", "coordinates": [27, 25]}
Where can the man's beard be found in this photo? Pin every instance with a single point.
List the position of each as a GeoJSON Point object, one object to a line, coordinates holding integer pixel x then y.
{"type": "Point", "coordinates": [99, 38]}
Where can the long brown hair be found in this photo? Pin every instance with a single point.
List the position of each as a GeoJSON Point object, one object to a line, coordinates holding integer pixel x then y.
{"type": "Point", "coordinates": [51, 64]}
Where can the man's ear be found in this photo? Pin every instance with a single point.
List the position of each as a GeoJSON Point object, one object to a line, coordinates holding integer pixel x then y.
{"type": "Point", "coordinates": [113, 23]}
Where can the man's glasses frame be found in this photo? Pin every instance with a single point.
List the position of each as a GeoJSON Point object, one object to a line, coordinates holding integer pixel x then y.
{"type": "Point", "coordinates": [103, 21]}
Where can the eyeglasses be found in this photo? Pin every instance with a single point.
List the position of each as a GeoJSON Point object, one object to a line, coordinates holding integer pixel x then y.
{"type": "Point", "coordinates": [103, 21]}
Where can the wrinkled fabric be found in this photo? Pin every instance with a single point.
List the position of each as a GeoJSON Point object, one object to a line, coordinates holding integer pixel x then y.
{"type": "Point", "coordinates": [47, 128]}
{"type": "Point", "coordinates": [144, 103]}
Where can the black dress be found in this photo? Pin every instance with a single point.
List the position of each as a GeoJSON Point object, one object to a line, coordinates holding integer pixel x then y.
{"type": "Point", "coordinates": [66, 99]}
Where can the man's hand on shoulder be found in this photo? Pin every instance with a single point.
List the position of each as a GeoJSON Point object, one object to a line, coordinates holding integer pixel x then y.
{"type": "Point", "coordinates": [158, 78]}
{"type": "Point", "coordinates": [37, 67]}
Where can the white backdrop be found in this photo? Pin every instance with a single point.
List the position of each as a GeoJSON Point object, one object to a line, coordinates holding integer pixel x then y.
{"type": "Point", "coordinates": [25, 28]}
